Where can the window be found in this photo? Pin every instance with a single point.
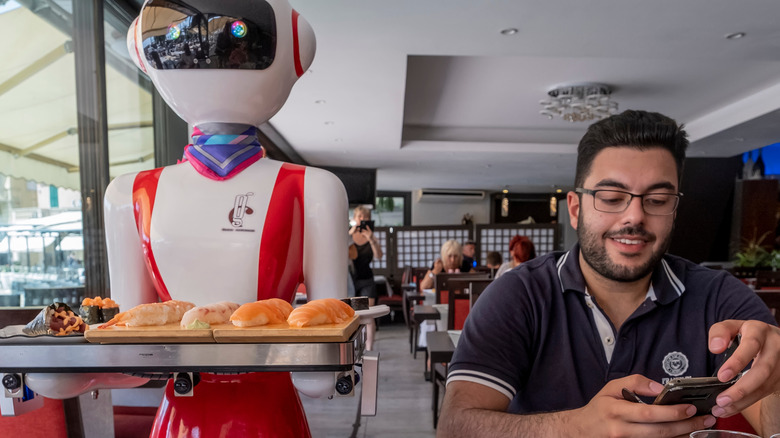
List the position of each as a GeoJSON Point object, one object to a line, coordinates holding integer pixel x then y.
{"type": "Point", "coordinates": [41, 243]}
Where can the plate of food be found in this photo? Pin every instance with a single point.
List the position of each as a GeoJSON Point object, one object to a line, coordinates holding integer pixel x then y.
{"type": "Point", "coordinates": [55, 323]}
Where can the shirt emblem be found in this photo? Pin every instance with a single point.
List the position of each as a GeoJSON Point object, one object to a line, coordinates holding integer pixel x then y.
{"type": "Point", "coordinates": [675, 364]}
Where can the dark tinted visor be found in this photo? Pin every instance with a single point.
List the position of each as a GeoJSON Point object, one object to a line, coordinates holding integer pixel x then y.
{"type": "Point", "coordinates": [177, 36]}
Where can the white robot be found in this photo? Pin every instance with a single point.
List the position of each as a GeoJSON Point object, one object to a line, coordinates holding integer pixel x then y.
{"type": "Point", "coordinates": [227, 224]}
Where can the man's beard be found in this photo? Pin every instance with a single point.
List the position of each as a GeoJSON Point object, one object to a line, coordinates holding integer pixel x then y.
{"type": "Point", "coordinates": [594, 252]}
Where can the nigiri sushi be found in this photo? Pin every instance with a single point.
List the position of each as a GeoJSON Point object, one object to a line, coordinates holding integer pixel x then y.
{"type": "Point", "coordinates": [270, 311]}
{"type": "Point", "coordinates": [322, 311]}
{"type": "Point", "coordinates": [163, 313]}
{"type": "Point", "coordinates": [217, 313]}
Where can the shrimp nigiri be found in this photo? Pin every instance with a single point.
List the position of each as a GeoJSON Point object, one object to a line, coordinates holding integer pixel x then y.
{"type": "Point", "coordinates": [217, 313]}
{"type": "Point", "coordinates": [270, 311]}
{"type": "Point", "coordinates": [322, 311]}
{"type": "Point", "coordinates": [163, 313]}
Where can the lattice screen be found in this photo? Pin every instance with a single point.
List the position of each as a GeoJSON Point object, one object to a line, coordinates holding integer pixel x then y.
{"type": "Point", "coordinates": [420, 248]}
{"type": "Point", "coordinates": [497, 239]}
{"type": "Point", "coordinates": [381, 236]}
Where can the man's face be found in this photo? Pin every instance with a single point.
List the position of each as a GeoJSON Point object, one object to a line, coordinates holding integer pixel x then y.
{"type": "Point", "coordinates": [624, 246]}
{"type": "Point", "coordinates": [468, 251]}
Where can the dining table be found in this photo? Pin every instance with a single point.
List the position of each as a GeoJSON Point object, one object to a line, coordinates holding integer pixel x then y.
{"type": "Point", "coordinates": [440, 349]}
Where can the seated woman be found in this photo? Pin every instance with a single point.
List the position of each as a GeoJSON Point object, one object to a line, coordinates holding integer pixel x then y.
{"type": "Point", "coordinates": [450, 262]}
{"type": "Point", "coordinates": [521, 249]}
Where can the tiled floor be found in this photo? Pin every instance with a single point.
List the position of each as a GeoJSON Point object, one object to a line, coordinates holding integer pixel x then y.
{"type": "Point", "coordinates": [404, 397]}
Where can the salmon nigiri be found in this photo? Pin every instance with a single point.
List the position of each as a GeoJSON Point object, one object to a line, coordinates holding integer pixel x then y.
{"type": "Point", "coordinates": [270, 311]}
{"type": "Point", "coordinates": [323, 311]}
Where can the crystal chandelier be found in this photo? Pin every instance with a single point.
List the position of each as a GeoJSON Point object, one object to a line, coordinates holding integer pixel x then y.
{"type": "Point", "coordinates": [579, 102]}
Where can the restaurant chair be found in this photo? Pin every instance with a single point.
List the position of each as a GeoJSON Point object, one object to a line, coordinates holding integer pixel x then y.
{"type": "Point", "coordinates": [417, 275]}
{"type": "Point", "coordinates": [441, 283]}
{"type": "Point", "coordinates": [386, 296]}
{"type": "Point", "coordinates": [439, 378]}
{"type": "Point", "coordinates": [476, 287]}
{"type": "Point", "coordinates": [410, 297]}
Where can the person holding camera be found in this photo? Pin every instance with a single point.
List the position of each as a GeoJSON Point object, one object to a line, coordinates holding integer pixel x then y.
{"type": "Point", "coordinates": [557, 346]}
{"type": "Point", "coordinates": [366, 248]}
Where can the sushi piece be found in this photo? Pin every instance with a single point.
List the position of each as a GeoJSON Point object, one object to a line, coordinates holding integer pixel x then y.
{"type": "Point", "coordinates": [167, 312]}
{"type": "Point", "coordinates": [108, 309]}
{"type": "Point", "coordinates": [217, 313]}
{"type": "Point", "coordinates": [89, 311]}
{"type": "Point", "coordinates": [359, 303]}
{"type": "Point", "coordinates": [97, 310]}
{"type": "Point", "coordinates": [56, 319]}
{"type": "Point", "coordinates": [270, 311]}
{"type": "Point", "coordinates": [323, 311]}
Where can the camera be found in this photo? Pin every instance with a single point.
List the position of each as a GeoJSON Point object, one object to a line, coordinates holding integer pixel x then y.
{"type": "Point", "coordinates": [366, 224]}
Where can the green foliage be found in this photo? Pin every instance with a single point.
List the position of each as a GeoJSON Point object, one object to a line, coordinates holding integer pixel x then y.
{"type": "Point", "coordinates": [386, 203]}
{"type": "Point", "coordinates": [774, 260]}
{"type": "Point", "coordinates": [754, 255]}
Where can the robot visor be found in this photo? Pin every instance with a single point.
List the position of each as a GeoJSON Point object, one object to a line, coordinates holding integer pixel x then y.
{"type": "Point", "coordinates": [177, 36]}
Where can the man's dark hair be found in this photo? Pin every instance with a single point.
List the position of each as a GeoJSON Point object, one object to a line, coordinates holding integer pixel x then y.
{"type": "Point", "coordinates": [640, 130]}
{"type": "Point", "coordinates": [494, 258]}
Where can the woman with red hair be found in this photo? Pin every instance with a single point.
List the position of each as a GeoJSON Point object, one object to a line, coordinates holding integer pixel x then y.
{"type": "Point", "coordinates": [521, 249]}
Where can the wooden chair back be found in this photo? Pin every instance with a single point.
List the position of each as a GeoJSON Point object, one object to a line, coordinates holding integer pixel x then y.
{"type": "Point", "coordinates": [419, 274]}
{"type": "Point", "coordinates": [441, 283]}
{"type": "Point", "coordinates": [476, 287]}
{"type": "Point", "coordinates": [461, 298]}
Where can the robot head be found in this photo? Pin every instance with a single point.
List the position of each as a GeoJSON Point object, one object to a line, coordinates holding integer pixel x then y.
{"type": "Point", "coordinates": [228, 61]}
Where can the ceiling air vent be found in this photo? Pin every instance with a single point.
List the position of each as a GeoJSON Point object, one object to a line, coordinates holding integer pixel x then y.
{"type": "Point", "coordinates": [447, 195]}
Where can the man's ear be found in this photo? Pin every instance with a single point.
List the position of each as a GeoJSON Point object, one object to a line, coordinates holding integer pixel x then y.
{"type": "Point", "coordinates": [573, 204]}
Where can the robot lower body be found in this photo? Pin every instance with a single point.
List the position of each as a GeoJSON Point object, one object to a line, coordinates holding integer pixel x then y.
{"type": "Point", "coordinates": [225, 406]}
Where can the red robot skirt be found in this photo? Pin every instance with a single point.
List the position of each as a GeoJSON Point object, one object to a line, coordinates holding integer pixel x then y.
{"type": "Point", "coordinates": [227, 406]}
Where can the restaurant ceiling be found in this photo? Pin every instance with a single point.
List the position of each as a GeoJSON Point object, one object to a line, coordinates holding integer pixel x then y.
{"type": "Point", "coordinates": [433, 95]}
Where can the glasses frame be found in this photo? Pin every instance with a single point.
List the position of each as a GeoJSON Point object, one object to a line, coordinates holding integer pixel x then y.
{"type": "Point", "coordinates": [677, 196]}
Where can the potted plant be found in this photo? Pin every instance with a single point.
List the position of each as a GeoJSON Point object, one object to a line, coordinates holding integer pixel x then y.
{"type": "Point", "coordinates": [774, 259]}
{"type": "Point", "coordinates": [753, 256]}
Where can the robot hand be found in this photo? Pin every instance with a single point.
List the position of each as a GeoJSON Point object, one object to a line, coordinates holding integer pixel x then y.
{"type": "Point", "coordinates": [315, 384]}
{"type": "Point", "coordinates": [62, 386]}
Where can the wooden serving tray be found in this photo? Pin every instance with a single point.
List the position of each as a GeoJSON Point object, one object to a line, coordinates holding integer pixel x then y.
{"type": "Point", "coordinates": [158, 334]}
{"type": "Point", "coordinates": [277, 333]}
{"type": "Point", "coordinates": [224, 333]}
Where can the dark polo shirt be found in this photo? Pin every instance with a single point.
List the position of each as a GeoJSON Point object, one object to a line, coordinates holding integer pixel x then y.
{"type": "Point", "coordinates": [539, 338]}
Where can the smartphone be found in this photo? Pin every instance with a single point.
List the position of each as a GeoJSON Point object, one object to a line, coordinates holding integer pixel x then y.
{"type": "Point", "coordinates": [366, 224]}
{"type": "Point", "coordinates": [698, 391]}
{"type": "Point", "coordinates": [701, 392]}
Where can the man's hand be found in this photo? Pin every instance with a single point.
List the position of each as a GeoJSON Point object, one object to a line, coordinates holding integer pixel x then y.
{"type": "Point", "coordinates": [761, 344]}
{"type": "Point", "coordinates": [608, 414]}
{"type": "Point", "coordinates": [473, 410]}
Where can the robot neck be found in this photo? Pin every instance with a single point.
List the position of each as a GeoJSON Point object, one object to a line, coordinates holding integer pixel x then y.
{"type": "Point", "coordinates": [221, 151]}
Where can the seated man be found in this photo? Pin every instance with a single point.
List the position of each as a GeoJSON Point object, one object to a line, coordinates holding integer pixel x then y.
{"type": "Point", "coordinates": [613, 312]}
{"type": "Point", "coordinates": [469, 247]}
{"type": "Point", "coordinates": [494, 260]}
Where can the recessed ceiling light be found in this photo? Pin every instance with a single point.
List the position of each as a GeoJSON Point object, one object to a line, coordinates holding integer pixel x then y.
{"type": "Point", "coordinates": [505, 191]}
{"type": "Point", "coordinates": [735, 35]}
{"type": "Point", "coordinates": [509, 31]}
{"type": "Point", "coordinates": [558, 190]}
{"type": "Point", "coordinates": [329, 122]}
{"type": "Point", "coordinates": [319, 101]}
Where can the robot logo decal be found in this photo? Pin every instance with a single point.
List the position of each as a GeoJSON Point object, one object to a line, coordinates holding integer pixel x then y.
{"type": "Point", "coordinates": [239, 212]}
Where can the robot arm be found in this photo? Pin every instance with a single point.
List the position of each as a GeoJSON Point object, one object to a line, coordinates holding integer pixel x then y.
{"type": "Point", "coordinates": [324, 257]}
{"type": "Point", "coordinates": [131, 283]}
{"type": "Point", "coordinates": [324, 252]}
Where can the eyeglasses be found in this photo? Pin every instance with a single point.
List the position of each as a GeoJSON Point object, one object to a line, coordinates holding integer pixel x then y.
{"type": "Point", "coordinates": [617, 201]}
